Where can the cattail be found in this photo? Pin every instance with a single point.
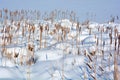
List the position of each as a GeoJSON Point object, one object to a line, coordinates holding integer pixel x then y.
{"type": "Point", "coordinates": [115, 43]}
{"type": "Point", "coordinates": [33, 30]}
{"type": "Point", "coordinates": [78, 51]}
{"type": "Point", "coordinates": [77, 33]}
{"type": "Point", "coordinates": [89, 65]}
{"type": "Point", "coordinates": [102, 53]}
{"type": "Point", "coordinates": [31, 49]}
{"type": "Point", "coordinates": [63, 68]}
{"type": "Point", "coordinates": [118, 40]}
{"type": "Point", "coordinates": [16, 56]}
{"type": "Point", "coordinates": [97, 42]}
{"type": "Point", "coordinates": [46, 29]}
{"type": "Point", "coordinates": [118, 43]}
{"type": "Point", "coordinates": [101, 36]}
{"type": "Point", "coordinates": [65, 32]}
{"type": "Point", "coordinates": [89, 31]}
{"type": "Point", "coordinates": [115, 35]}
{"type": "Point", "coordinates": [93, 76]}
{"type": "Point", "coordinates": [41, 30]}
{"type": "Point", "coordinates": [93, 53]}
{"type": "Point", "coordinates": [90, 58]}
{"type": "Point", "coordinates": [10, 37]}
{"type": "Point", "coordinates": [110, 35]}
{"type": "Point", "coordinates": [116, 73]}
{"type": "Point", "coordinates": [23, 31]}
{"type": "Point", "coordinates": [85, 52]}
{"type": "Point", "coordinates": [101, 69]}
{"type": "Point", "coordinates": [94, 69]}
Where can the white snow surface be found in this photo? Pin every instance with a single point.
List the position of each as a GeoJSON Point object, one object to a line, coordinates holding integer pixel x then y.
{"type": "Point", "coordinates": [60, 60]}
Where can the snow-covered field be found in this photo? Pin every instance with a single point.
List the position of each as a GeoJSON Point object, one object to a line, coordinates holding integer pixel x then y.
{"type": "Point", "coordinates": [58, 50]}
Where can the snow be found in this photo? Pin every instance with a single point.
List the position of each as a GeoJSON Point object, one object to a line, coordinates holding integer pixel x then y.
{"type": "Point", "coordinates": [62, 59]}
{"type": "Point", "coordinates": [7, 73]}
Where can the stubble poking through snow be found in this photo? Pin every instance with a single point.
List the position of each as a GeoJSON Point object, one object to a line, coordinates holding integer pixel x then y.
{"type": "Point", "coordinates": [58, 51]}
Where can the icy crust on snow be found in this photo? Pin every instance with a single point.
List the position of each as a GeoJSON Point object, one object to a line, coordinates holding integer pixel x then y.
{"type": "Point", "coordinates": [61, 59]}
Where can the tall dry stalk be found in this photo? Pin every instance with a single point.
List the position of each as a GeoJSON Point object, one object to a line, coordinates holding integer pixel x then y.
{"type": "Point", "coordinates": [41, 30]}
{"type": "Point", "coordinates": [46, 31]}
{"type": "Point", "coordinates": [116, 73]}
{"type": "Point", "coordinates": [77, 33]}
